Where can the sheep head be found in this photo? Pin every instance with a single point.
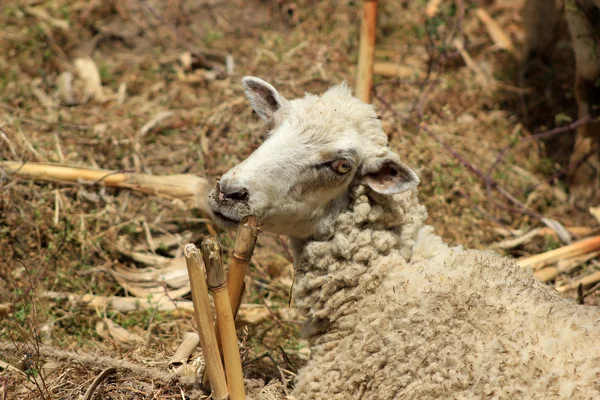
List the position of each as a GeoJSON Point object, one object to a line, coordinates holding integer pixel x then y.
{"type": "Point", "coordinates": [297, 181]}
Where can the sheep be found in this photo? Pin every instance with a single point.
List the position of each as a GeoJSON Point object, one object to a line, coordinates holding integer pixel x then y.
{"type": "Point", "coordinates": [392, 311]}
{"type": "Point", "coordinates": [582, 17]}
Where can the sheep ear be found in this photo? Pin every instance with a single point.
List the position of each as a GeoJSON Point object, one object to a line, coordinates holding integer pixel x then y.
{"type": "Point", "coordinates": [388, 175]}
{"type": "Point", "coordinates": [263, 97]}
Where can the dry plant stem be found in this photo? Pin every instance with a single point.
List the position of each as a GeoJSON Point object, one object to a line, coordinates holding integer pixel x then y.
{"type": "Point", "coordinates": [101, 377]}
{"type": "Point", "coordinates": [10, 367]}
{"type": "Point", "coordinates": [495, 31]}
{"type": "Point", "coordinates": [204, 320]}
{"type": "Point", "coordinates": [189, 343]}
{"type": "Point", "coordinates": [577, 231]}
{"type": "Point", "coordinates": [546, 274]}
{"type": "Point", "coordinates": [364, 78]}
{"type": "Point", "coordinates": [585, 281]}
{"type": "Point", "coordinates": [185, 187]}
{"type": "Point", "coordinates": [245, 242]}
{"type": "Point", "coordinates": [134, 304]}
{"type": "Point", "coordinates": [576, 249]}
{"type": "Point", "coordinates": [572, 263]}
{"type": "Point", "coordinates": [562, 266]}
{"type": "Point", "coordinates": [433, 6]}
{"type": "Point", "coordinates": [396, 70]}
{"type": "Point", "coordinates": [211, 252]}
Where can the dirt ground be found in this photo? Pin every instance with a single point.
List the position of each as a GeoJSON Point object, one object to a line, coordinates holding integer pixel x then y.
{"type": "Point", "coordinates": [461, 120]}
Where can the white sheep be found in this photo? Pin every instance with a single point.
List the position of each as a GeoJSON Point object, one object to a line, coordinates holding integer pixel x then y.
{"type": "Point", "coordinates": [393, 312]}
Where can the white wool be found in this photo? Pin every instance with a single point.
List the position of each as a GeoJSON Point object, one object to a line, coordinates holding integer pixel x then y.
{"type": "Point", "coordinates": [396, 313]}
{"type": "Point", "coordinates": [393, 312]}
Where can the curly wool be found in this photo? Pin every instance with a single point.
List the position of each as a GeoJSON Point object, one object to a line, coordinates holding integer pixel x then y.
{"type": "Point", "coordinates": [396, 313]}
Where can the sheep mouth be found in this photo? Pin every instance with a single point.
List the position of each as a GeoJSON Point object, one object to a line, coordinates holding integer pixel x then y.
{"type": "Point", "coordinates": [225, 221]}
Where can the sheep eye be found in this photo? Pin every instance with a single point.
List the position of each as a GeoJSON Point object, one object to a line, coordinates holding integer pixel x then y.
{"type": "Point", "coordinates": [341, 166]}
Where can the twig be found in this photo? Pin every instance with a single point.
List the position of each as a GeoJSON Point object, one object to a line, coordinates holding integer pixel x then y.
{"type": "Point", "coordinates": [4, 137]}
{"type": "Point", "coordinates": [101, 377]}
{"type": "Point", "coordinates": [492, 184]}
{"type": "Point", "coordinates": [578, 231]}
{"type": "Point", "coordinates": [486, 179]}
{"type": "Point", "coordinates": [592, 290]}
{"type": "Point", "coordinates": [539, 136]}
{"type": "Point", "coordinates": [470, 63]}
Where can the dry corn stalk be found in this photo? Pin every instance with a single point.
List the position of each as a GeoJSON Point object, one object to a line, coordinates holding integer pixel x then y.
{"type": "Point", "coordinates": [109, 329]}
{"type": "Point", "coordinates": [182, 354]}
{"type": "Point", "coordinates": [364, 78]}
{"type": "Point", "coordinates": [395, 70]}
{"type": "Point", "coordinates": [204, 320]}
{"type": "Point", "coordinates": [495, 31]}
{"type": "Point", "coordinates": [217, 283]}
{"type": "Point", "coordinates": [546, 274]}
{"type": "Point", "coordinates": [245, 241]}
{"type": "Point", "coordinates": [190, 188]}
{"type": "Point", "coordinates": [585, 281]}
{"type": "Point", "coordinates": [170, 278]}
{"type": "Point", "coordinates": [578, 248]}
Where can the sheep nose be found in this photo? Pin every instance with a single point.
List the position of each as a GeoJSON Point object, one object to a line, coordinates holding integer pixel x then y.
{"type": "Point", "coordinates": [232, 191]}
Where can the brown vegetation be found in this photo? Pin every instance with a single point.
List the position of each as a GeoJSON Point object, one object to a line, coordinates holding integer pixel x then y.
{"type": "Point", "coordinates": [153, 87]}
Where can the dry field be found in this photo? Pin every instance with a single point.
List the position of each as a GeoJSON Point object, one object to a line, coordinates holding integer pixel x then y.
{"type": "Point", "coordinates": [169, 101]}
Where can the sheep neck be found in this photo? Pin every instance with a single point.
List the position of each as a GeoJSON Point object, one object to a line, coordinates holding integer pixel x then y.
{"type": "Point", "coordinates": [334, 274]}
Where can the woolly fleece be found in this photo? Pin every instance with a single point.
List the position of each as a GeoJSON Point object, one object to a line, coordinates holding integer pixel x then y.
{"type": "Point", "coordinates": [397, 314]}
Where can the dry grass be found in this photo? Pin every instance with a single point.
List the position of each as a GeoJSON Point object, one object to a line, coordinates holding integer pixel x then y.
{"type": "Point", "coordinates": [56, 237]}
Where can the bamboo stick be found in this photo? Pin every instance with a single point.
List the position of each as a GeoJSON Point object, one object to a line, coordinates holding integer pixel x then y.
{"type": "Point", "coordinates": [573, 250]}
{"type": "Point", "coordinates": [217, 283]}
{"type": "Point", "coordinates": [364, 78]}
{"type": "Point", "coordinates": [204, 320]}
{"type": "Point", "coordinates": [245, 241]}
